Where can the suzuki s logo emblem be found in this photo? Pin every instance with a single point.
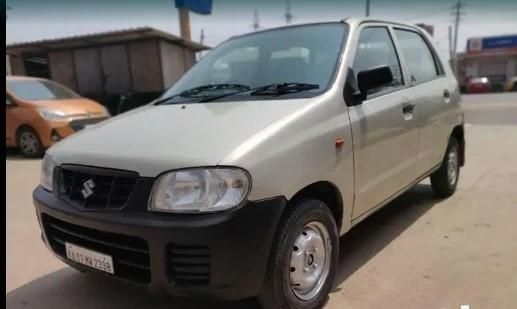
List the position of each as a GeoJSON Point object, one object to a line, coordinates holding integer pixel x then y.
{"type": "Point", "coordinates": [88, 186]}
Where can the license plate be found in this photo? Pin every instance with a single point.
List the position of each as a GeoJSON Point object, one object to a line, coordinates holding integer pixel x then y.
{"type": "Point", "coordinates": [89, 258]}
{"type": "Point", "coordinates": [86, 126]}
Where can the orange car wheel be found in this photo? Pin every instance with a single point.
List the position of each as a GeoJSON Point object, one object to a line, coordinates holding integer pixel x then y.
{"type": "Point", "coordinates": [29, 143]}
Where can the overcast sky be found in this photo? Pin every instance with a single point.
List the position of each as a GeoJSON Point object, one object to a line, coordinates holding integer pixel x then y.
{"type": "Point", "coordinates": [37, 19]}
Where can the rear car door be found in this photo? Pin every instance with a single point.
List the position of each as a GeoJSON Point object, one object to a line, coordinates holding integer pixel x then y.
{"type": "Point", "coordinates": [384, 131]}
{"type": "Point", "coordinates": [432, 91]}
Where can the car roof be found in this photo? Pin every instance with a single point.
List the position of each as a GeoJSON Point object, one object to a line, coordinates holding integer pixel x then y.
{"type": "Point", "coordinates": [361, 20]}
{"type": "Point", "coordinates": [352, 21]}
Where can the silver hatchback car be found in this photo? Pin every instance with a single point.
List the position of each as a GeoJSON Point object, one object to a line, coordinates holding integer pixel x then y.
{"type": "Point", "coordinates": [239, 179]}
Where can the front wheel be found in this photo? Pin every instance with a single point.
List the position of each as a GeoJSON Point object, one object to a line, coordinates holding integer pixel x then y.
{"type": "Point", "coordinates": [445, 180]}
{"type": "Point", "coordinates": [304, 258]}
{"type": "Point", "coordinates": [29, 143]}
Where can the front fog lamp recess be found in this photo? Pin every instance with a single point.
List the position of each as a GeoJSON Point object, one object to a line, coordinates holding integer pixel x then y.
{"type": "Point", "coordinates": [200, 190]}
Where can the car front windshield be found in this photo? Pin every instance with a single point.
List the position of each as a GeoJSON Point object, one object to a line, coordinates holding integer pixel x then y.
{"type": "Point", "coordinates": [36, 90]}
{"type": "Point", "coordinates": [302, 54]}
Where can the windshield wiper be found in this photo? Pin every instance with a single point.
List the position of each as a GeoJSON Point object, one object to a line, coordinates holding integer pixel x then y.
{"type": "Point", "coordinates": [271, 89]}
{"type": "Point", "coordinates": [275, 89]}
{"type": "Point", "coordinates": [283, 88]}
{"type": "Point", "coordinates": [201, 91]}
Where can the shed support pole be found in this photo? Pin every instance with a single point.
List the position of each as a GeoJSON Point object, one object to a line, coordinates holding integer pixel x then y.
{"type": "Point", "coordinates": [184, 23]}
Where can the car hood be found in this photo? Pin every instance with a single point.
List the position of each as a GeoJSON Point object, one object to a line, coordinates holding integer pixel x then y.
{"type": "Point", "coordinates": [72, 107]}
{"type": "Point", "coordinates": [154, 139]}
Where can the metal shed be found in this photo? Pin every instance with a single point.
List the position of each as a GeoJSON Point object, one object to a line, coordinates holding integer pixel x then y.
{"type": "Point", "coordinates": [103, 66]}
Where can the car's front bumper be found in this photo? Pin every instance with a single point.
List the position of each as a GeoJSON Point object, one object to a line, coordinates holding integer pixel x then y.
{"type": "Point", "coordinates": [53, 131]}
{"type": "Point", "coordinates": [231, 249]}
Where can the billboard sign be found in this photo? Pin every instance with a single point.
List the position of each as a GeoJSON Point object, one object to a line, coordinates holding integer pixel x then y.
{"type": "Point", "coordinates": [203, 7]}
{"type": "Point", "coordinates": [489, 44]}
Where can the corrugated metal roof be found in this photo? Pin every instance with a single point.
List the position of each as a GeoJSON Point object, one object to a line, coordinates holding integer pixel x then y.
{"type": "Point", "coordinates": [100, 38]}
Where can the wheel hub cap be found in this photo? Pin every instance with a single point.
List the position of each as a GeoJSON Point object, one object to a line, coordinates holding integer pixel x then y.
{"type": "Point", "coordinates": [452, 167]}
{"type": "Point", "coordinates": [310, 261]}
{"type": "Point", "coordinates": [28, 142]}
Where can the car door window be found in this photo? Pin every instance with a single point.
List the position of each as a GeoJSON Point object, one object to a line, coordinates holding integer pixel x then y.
{"type": "Point", "coordinates": [375, 48]}
{"type": "Point", "coordinates": [419, 58]}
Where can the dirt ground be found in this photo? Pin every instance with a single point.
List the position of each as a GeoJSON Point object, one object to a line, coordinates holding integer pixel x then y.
{"type": "Point", "coordinates": [417, 252]}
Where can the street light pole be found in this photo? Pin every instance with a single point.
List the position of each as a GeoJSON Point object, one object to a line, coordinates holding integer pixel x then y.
{"type": "Point", "coordinates": [367, 8]}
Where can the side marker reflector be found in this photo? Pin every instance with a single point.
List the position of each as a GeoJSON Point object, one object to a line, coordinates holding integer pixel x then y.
{"type": "Point", "coordinates": [339, 142]}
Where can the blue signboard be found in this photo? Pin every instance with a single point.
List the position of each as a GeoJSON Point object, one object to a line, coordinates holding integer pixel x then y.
{"type": "Point", "coordinates": [197, 6]}
{"type": "Point", "coordinates": [496, 43]}
{"type": "Point", "coordinates": [509, 41]}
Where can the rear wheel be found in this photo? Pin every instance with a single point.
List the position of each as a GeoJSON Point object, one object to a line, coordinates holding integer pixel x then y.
{"type": "Point", "coordinates": [445, 180]}
{"type": "Point", "coordinates": [304, 258]}
{"type": "Point", "coordinates": [29, 143]}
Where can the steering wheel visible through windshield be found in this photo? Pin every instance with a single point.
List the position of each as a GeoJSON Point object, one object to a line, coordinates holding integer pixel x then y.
{"type": "Point", "coordinates": [301, 55]}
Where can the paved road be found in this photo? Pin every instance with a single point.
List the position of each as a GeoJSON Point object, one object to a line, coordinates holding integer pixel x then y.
{"type": "Point", "coordinates": [418, 252]}
{"type": "Point", "coordinates": [490, 109]}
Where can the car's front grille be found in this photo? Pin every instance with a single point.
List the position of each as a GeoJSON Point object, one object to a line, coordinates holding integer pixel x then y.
{"type": "Point", "coordinates": [92, 188]}
{"type": "Point", "coordinates": [79, 124]}
{"type": "Point", "coordinates": [188, 264]}
{"type": "Point", "coordinates": [130, 254]}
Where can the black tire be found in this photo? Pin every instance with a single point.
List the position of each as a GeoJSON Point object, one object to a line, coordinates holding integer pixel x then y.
{"type": "Point", "coordinates": [277, 291]}
{"type": "Point", "coordinates": [29, 143]}
{"type": "Point", "coordinates": [443, 183]}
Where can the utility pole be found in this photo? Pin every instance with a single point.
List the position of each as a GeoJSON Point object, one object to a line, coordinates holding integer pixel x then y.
{"type": "Point", "coordinates": [199, 55]}
{"type": "Point", "coordinates": [202, 36]}
{"type": "Point", "coordinates": [256, 20]}
{"type": "Point", "coordinates": [288, 15]}
{"type": "Point", "coordinates": [367, 8]}
{"type": "Point", "coordinates": [450, 43]}
{"type": "Point", "coordinates": [457, 16]}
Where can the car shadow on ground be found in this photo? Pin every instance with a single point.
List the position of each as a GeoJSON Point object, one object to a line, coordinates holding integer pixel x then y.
{"type": "Point", "coordinates": [372, 235]}
{"type": "Point", "coordinates": [67, 288]}
{"type": "Point", "coordinates": [15, 155]}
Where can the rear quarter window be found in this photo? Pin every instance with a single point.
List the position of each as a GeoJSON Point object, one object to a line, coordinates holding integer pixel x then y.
{"type": "Point", "coordinates": [421, 60]}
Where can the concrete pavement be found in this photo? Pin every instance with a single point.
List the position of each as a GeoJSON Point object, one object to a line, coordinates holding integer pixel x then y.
{"type": "Point", "coordinates": [417, 252]}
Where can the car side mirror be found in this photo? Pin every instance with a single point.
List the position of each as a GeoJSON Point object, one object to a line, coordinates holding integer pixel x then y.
{"type": "Point", "coordinates": [351, 92]}
{"type": "Point", "coordinates": [8, 102]}
{"type": "Point", "coordinates": [374, 78]}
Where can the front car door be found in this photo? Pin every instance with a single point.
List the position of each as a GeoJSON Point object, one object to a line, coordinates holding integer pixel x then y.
{"type": "Point", "coordinates": [384, 130]}
{"type": "Point", "coordinates": [432, 91]}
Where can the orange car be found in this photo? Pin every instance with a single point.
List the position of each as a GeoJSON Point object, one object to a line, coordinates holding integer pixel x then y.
{"type": "Point", "coordinates": [40, 112]}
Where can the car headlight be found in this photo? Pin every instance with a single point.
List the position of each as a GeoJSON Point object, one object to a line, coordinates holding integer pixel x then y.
{"type": "Point", "coordinates": [105, 112]}
{"type": "Point", "coordinates": [47, 172]}
{"type": "Point", "coordinates": [200, 190]}
{"type": "Point", "coordinates": [49, 114]}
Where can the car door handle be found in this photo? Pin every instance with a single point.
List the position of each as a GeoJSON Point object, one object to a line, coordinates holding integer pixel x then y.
{"type": "Point", "coordinates": [408, 107]}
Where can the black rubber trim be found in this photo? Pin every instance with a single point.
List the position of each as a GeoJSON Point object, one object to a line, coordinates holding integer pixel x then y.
{"type": "Point", "coordinates": [238, 242]}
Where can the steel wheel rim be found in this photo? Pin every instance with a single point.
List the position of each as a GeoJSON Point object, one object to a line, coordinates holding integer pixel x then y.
{"type": "Point", "coordinates": [310, 261]}
{"type": "Point", "coordinates": [29, 142]}
{"type": "Point", "coordinates": [452, 167]}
